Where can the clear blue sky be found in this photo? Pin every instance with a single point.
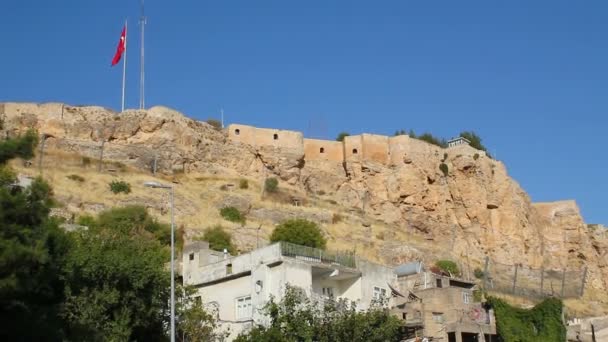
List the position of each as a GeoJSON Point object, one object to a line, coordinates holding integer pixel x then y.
{"type": "Point", "coordinates": [531, 77]}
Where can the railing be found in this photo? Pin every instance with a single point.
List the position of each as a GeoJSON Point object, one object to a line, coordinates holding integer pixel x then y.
{"type": "Point", "coordinates": [317, 255]}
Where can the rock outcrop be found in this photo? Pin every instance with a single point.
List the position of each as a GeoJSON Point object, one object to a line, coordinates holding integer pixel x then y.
{"type": "Point", "coordinates": [473, 210]}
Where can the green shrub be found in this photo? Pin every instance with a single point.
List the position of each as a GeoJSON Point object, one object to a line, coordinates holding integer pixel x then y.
{"type": "Point", "coordinates": [448, 266]}
{"type": "Point", "coordinates": [444, 168]}
{"type": "Point", "coordinates": [477, 296]}
{"type": "Point", "coordinates": [445, 157]}
{"type": "Point", "coordinates": [336, 218]}
{"type": "Point", "coordinates": [86, 161]}
{"type": "Point", "coordinates": [271, 185]}
{"type": "Point", "coordinates": [400, 132]}
{"type": "Point", "coordinates": [243, 184]}
{"type": "Point", "coordinates": [342, 135]}
{"type": "Point", "coordinates": [478, 273]}
{"type": "Point", "coordinates": [120, 186]}
{"type": "Point", "coordinates": [474, 140]}
{"type": "Point", "coordinates": [476, 156]}
{"type": "Point", "coordinates": [232, 214]}
{"type": "Point", "coordinates": [215, 124]}
{"type": "Point", "coordinates": [541, 323]}
{"type": "Point", "coordinates": [299, 231]}
{"type": "Point", "coordinates": [428, 137]}
{"type": "Point", "coordinates": [7, 176]}
{"type": "Point", "coordinates": [22, 147]}
{"type": "Point", "coordinates": [219, 239]}
{"type": "Point", "coordinates": [76, 178]}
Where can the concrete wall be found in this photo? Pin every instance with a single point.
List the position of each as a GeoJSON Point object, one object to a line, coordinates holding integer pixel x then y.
{"type": "Point", "coordinates": [265, 136]}
{"type": "Point", "coordinates": [315, 149]}
{"type": "Point", "coordinates": [374, 275]}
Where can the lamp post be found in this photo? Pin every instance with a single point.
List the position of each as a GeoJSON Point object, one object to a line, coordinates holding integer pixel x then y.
{"type": "Point", "coordinates": [157, 185]}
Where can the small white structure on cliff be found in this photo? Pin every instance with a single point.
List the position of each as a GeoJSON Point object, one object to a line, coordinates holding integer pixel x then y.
{"type": "Point", "coordinates": [458, 141]}
{"type": "Point", "coordinates": [237, 288]}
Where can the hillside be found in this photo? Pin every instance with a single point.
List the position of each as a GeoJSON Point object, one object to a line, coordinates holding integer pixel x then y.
{"type": "Point", "coordinates": [386, 198]}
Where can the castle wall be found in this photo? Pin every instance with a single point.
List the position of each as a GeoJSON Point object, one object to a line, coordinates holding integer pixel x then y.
{"type": "Point", "coordinates": [353, 148]}
{"type": "Point", "coordinates": [265, 136]}
{"type": "Point", "coordinates": [375, 148]}
{"type": "Point", "coordinates": [398, 148]}
{"type": "Point", "coordinates": [315, 149]}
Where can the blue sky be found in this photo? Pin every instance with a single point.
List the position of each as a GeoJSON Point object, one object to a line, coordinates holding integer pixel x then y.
{"type": "Point", "coordinates": [531, 77]}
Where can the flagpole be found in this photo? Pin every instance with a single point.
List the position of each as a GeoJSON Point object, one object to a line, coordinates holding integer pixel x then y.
{"type": "Point", "coordinates": [124, 69]}
{"type": "Point", "coordinates": [142, 21]}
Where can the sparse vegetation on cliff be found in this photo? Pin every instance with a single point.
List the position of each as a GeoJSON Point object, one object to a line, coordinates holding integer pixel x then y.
{"type": "Point", "coordinates": [120, 187]}
{"type": "Point", "coordinates": [215, 124]}
{"type": "Point", "coordinates": [271, 185]}
{"type": "Point", "coordinates": [232, 214]}
{"type": "Point", "coordinates": [444, 168]}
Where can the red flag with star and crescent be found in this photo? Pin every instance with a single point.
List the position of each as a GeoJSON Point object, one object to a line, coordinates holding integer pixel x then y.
{"type": "Point", "coordinates": [122, 46]}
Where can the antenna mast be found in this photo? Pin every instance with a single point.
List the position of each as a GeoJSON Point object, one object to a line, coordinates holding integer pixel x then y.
{"type": "Point", "coordinates": [142, 22]}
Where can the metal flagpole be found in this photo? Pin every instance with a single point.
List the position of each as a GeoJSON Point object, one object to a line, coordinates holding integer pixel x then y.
{"type": "Point", "coordinates": [124, 70]}
{"type": "Point", "coordinates": [142, 22]}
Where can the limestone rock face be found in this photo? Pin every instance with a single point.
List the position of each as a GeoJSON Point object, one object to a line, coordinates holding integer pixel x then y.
{"type": "Point", "coordinates": [473, 210]}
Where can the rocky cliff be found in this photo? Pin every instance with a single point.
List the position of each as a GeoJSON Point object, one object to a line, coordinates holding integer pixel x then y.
{"type": "Point", "coordinates": [472, 211]}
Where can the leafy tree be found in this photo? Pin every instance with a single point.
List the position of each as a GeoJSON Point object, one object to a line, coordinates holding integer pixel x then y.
{"type": "Point", "coordinates": [478, 273]}
{"type": "Point", "coordinates": [232, 214]}
{"type": "Point", "coordinates": [20, 147]}
{"type": "Point", "coordinates": [428, 137]}
{"type": "Point", "coordinates": [117, 285]}
{"type": "Point", "coordinates": [296, 318]}
{"type": "Point", "coordinates": [32, 252]}
{"type": "Point", "coordinates": [342, 135]}
{"type": "Point", "coordinates": [400, 132]}
{"type": "Point", "coordinates": [299, 231]}
{"type": "Point", "coordinates": [219, 239]}
{"type": "Point", "coordinates": [541, 323]}
{"type": "Point", "coordinates": [475, 140]}
{"type": "Point", "coordinates": [412, 134]}
{"type": "Point", "coordinates": [448, 266]}
{"type": "Point", "coordinates": [194, 322]}
{"type": "Point", "coordinates": [271, 185]}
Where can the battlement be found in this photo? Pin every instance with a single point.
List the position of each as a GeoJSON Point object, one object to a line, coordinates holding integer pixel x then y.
{"type": "Point", "coordinates": [355, 148]}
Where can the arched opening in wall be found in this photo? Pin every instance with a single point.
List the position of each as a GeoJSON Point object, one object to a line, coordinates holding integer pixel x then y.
{"type": "Point", "coordinates": [275, 136]}
{"type": "Point", "coordinates": [355, 151]}
{"type": "Point", "coordinates": [322, 150]}
{"type": "Point", "coordinates": [237, 131]}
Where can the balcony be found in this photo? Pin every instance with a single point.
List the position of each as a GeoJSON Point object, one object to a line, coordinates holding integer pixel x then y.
{"type": "Point", "coordinates": [315, 255]}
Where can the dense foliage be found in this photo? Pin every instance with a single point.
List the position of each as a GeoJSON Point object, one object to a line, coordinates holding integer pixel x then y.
{"type": "Point", "coordinates": [120, 186]}
{"type": "Point", "coordinates": [541, 323]}
{"type": "Point", "coordinates": [296, 318]}
{"type": "Point", "coordinates": [448, 266]}
{"type": "Point", "coordinates": [243, 184]}
{"type": "Point", "coordinates": [232, 214]}
{"type": "Point", "coordinates": [271, 185]}
{"type": "Point", "coordinates": [219, 239]}
{"type": "Point", "coordinates": [474, 140]}
{"type": "Point", "coordinates": [431, 139]}
{"type": "Point", "coordinates": [342, 135]}
{"type": "Point", "coordinates": [299, 231]}
{"type": "Point", "coordinates": [19, 147]}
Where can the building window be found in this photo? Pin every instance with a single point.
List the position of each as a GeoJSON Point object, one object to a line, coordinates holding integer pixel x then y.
{"type": "Point", "coordinates": [243, 307]}
{"type": "Point", "coordinates": [439, 283]}
{"type": "Point", "coordinates": [328, 292]}
{"type": "Point", "coordinates": [404, 316]}
{"type": "Point", "coordinates": [438, 317]}
{"type": "Point", "coordinates": [237, 131]}
{"type": "Point", "coordinates": [275, 136]}
{"type": "Point", "coordinates": [229, 269]}
{"type": "Point", "coordinates": [191, 256]}
{"type": "Point", "coordinates": [379, 293]}
{"type": "Point", "coordinates": [355, 151]}
{"type": "Point", "coordinates": [322, 150]}
{"type": "Point", "coordinates": [466, 297]}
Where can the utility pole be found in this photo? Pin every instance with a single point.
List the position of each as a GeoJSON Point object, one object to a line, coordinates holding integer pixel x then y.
{"type": "Point", "coordinates": [142, 23]}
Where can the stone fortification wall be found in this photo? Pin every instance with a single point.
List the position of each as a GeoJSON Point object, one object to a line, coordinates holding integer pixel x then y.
{"type": "Point", "coordinates": [355, 148]}
{"type": "Point", "coordinates": [265, 136]}
{"type": "Point", "coordinates": [315, 149]}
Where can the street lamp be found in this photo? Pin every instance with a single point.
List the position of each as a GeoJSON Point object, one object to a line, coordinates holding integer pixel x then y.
{"type": "Point", "coordinates": [157, 185]}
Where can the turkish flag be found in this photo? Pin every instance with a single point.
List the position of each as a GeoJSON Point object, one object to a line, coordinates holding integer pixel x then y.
{"type": "Point", "coordinates": [122, 46]}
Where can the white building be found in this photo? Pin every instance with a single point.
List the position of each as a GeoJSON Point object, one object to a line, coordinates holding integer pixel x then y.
{"type": "Point", "coordinates": [239, 287]}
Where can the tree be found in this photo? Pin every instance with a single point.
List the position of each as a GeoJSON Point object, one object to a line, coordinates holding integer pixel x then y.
{"type": "Point", "coordinates": [32, 252]}
{"type": "Point", "coordinates": [342, 135]}
{"type": "Point", "coordinates": [219, 239]}
{"type": "Point", "coordinates": [428, 137]}
{"type": "Point", "coordinates": [448, 266]}
{"type": "Point", "coordinates": [215, 124]}
{"type": "Point", "coordinates": [296, 318]}
{"type": "Point", "coordinates": [271, 185]}
{"type": "Point", "coordinates": [400, 132]}
{"type": "Point", "coordinates": [299, 231]}
{"type": "Point", "coordinates": [194, 321]}
{"type": "Point", "coordinates": [474, 139]}
{"type": "Point", "coordinates": [117, 286]}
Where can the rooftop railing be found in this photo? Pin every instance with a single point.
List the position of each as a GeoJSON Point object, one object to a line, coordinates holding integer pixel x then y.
{"type": "Point", "coordinates": [311, 254]}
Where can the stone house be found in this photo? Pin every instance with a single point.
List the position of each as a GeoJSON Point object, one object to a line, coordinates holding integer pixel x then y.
{"type": "Point", "coordinates": [441, 307]}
